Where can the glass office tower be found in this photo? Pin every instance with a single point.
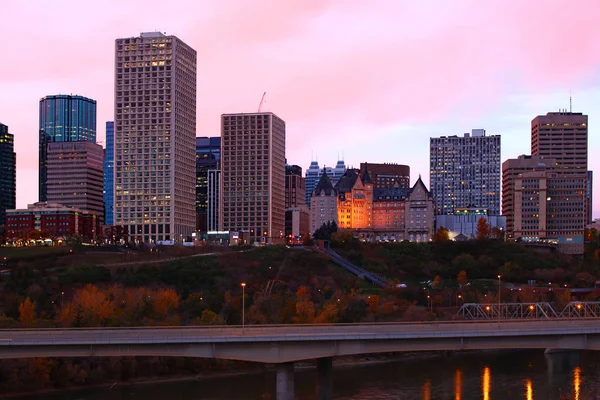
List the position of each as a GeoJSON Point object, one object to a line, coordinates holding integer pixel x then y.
{"type": "Point", "coordinates": [63, 118]}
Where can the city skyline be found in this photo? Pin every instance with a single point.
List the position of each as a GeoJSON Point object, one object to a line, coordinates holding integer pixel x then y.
{"type": "Point", "coordinates": [304, 62]}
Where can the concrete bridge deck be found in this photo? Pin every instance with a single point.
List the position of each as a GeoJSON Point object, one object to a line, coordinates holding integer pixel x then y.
{"type": "Point", "coordinates": [288, 343]}
{"type": "Point", "coordinates": [284, 344]}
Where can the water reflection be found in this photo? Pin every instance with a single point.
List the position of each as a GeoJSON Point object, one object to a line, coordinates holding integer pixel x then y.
{"type": "Point", "coordinates": [459, 377]}
{"type": "Point", "coordinates": [529, 389]}
{"type": "Point", "coordinates": [427, 390]}
{"type": "Point", "coordinates": [458, 384]}
{"type": "Point", "coordinates": [576, 382]}
{"type": "Point", "coordinates": [485, 383]}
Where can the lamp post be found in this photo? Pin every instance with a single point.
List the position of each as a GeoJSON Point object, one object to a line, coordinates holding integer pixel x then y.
{"type": "Point", "coordinates": [243, 305]}
{"type": "Point", "coordinates": [499, 293]}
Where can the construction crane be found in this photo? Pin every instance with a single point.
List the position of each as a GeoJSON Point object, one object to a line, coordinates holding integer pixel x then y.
{"type": "Point", "coordinates": [262, 100]}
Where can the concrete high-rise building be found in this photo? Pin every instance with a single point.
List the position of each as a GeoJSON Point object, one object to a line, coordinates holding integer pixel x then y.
{"type": "Point", "coordinates": [313, 174]}
{"type": "Point", "coordinates": [589, 204]}
{"type": "Point", "coordinates": [212, 217]}
{"type": "Point", "coordinates": [75, 176]}
{"type": "Point", "coordinates": [253, 175]}
{"type": "Point", "coordinates": [386, 175]}
{"type": "Point", "coordinates": [155, 137]}
{"type": "Point", "coordinates": [208, 154]}
{"type": "Point", "coordinates": [465, 172]}
{"type": "Point", "coordinates": [109, 174]}
{"type": "Point", "coordinates": [8, 170]}
{"type": "Point", "coordinates": [534, 201]}
{"type": "Point", "coordinates": [63, 118]}
{"type": "Point", "coordinates": [295, 187]}
{"type": "Point", "coordinates": [563, 136]}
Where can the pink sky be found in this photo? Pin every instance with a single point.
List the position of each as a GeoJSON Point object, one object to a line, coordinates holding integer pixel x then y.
{"type": "Point", "coordinates": [369, 80]}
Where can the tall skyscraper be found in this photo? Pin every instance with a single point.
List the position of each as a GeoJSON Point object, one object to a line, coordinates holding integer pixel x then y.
{"type": "Point", "coordinates": [253, 175]}
{"type": "Point", "coordinates": [295, 187]}
{"type": "Point", "coordinates": [63, 118]}
{"type": "Point", "coordinates": [589, 203]}
{"type": "Point", "coordinates": [313, 174]}
{"type": "Point", "coordinates": [8, 169]}
{"type": "Point", "coordinates": [214, 183]}
{"type": "Point", "coordinates": [208, 154]}
{"type": "Point", "coordinates": [75, 175]}
{"type": "Point", "coordinates": [109, 174]}
{"type": "Point", "coordinates": [563, 136]}
{"type": "Point", "coordinates": [465, 172]}
{"type": "Point", "coordinates": [155, 137]}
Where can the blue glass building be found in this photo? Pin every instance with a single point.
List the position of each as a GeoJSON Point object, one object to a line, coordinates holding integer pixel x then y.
{"type": "Point", "coordinates": [208, 155]}
{"type": "Point", "coordinates": [63, 118]}
{"type": "Point", "coordinates": [109, 174]}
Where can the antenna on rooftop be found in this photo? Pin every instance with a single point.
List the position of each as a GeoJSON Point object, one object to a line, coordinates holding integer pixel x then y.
{"type": "Point", "coordinates": [570, 102]}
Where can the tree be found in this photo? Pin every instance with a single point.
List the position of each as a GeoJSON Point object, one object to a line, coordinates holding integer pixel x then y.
{"type": "Point", "coordinates": [496, 233]}
{"type": "Point", "coordinates": [325, 231]}
{"type": "Point", "coordinates": [462, 278]}
{"type": "Point", "coordinates": [441, 235]}
{"type": "Point", "coordinates": [329, 313]}
{"type": "Point", "coordinates": [305, 308]}
{"type": "Point", "coordinates": [27, 314]}
{"type": "Point", "coordinates": [483, 229]}
{"type": "Point", "coordinates": [437, 282]}
{"type": "Point", "coordinates": [463, 262]}
{"type": "Point", "coordinates": [210, 318]}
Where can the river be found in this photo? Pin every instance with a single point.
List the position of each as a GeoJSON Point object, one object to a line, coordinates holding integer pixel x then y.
{"type": "Point", "coordinates": [525, 374]}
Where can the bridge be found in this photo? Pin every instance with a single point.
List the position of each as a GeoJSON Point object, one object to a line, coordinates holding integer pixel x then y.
{"type": "Point", "coordinates": [285, 344]}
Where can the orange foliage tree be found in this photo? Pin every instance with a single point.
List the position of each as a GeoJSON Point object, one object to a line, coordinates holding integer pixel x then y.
{"type": "Point", "coordinates": [305, 308]}
{"type": "Point", "coordinates": [27, 313]}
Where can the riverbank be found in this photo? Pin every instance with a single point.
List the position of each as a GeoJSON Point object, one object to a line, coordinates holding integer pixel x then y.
{"type": "Point", "coordinates": [338, 362]}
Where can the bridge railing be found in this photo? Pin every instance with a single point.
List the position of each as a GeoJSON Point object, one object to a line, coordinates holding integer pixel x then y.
{"type": "Point", "coordinates": [519, 311]}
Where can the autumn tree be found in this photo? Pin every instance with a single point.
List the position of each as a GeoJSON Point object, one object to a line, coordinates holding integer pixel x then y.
{"type": "Point", "coordinates": [462, 278]}
{"type": "Point", "coordinates": [329, 313]}
{"type": "Point", "coordinates": [483, 229]}
{"type": "Point", "coordinates": [93, 304]}
{"type": "Point", "coordinates": [305, 308]}
{"type": "Point", "coordinates": [441, 235]}
{"type": "Point", "coordinates": [27, 313]}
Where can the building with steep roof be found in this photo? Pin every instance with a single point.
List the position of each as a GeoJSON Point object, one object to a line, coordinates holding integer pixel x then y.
{"type": "Point", "coordinates": [401, 214]}
{"type": "Point", "coordinates": [355, 200]}
{"type": "Point", "coordinates": [323, 203]}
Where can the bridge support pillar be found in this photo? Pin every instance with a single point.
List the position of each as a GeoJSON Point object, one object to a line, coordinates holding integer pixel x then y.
{"type": "Point", "coordinates": [324, 378]}
{"type": "Point", "coordinates": [285, 381]}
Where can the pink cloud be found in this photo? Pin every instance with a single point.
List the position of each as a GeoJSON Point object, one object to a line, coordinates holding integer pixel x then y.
{"type": "Point", "coordinates": [327, 66]}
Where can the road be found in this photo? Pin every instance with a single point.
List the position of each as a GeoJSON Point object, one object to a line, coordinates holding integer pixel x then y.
{"type": "Point", "coordinates": [294, 333]}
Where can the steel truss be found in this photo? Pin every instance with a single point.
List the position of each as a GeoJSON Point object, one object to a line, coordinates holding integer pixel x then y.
{"type": "Point", "coordinates": [507, 311]}
{"type": "Point", "coordinates": [543, 310]}
{"type": "Point", "coordinates": [581, 309]}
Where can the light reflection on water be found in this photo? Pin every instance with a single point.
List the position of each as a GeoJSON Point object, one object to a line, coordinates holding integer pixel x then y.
{"type": "Point", "coordinates": [457, 384]}
{"type": "Point", "coordinates": [485, 383]}
{"type": "Point", "coordinates": [576, 382]}
{"type": "Point", "coordinates": [529, 389]}
{"type": "Point", "coordinates": [489, 376]}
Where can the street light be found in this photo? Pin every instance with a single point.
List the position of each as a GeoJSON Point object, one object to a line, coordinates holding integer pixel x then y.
{"type": "Point", "coordinates": [499, 293]}
{"type": "Point", "coordinates": [243, 305]}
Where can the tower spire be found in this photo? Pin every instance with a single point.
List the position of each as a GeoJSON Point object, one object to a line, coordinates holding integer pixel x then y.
{"type": "Point", "coordinates": [570, 102]}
